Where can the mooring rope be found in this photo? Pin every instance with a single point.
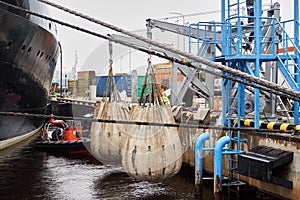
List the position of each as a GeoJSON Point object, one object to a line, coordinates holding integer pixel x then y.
{"type": "Point", "coordinates": [201, 60]}
{"type": "Point", "coordinates": [279, 90]}
{"type": "Point", "coordinates": [140, 123]}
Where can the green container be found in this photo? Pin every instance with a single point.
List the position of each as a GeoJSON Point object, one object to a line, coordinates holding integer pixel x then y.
{"type": "Point", "coordinates": [141, 80]}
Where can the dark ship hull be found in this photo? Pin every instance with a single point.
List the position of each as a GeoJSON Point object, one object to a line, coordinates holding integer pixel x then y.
{"type": "Point", "coordinates": [28, 55]}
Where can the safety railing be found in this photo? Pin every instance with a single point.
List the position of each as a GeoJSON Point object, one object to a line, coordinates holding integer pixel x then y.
{"type": "Point", "coordinates": [208, 41]}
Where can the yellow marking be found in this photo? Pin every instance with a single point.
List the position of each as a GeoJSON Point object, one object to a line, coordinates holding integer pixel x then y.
{"type": "Point", "coordinates": [270, 125]}
{"type": "Point", "coordinates": [283, 126]}
{"type": "Point", "coordinates": [247, 122]}
{"type": "Point", "coordinates": [297, 128]}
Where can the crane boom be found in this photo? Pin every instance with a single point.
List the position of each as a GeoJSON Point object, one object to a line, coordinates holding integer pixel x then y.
{"type": "Point", "coordinates": [183, 30]}
{"type": "Point", "coordinates": [179, 94]}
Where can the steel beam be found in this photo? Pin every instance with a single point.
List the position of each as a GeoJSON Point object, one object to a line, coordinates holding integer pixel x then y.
{"type": "Point", "coordinates": [183, 30]}
{"type": "Point", "coordinates": [183, 68]}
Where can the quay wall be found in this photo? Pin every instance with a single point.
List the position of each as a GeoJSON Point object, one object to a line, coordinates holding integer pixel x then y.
{"type": "Point", "coordinates": [285, 142]}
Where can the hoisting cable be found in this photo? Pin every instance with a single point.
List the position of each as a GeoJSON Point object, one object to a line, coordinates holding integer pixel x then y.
{"type": "Point", "coordinates": [197, 126]}
{"type": "Point", "coordinates": [201, 60]}
{"type": "Point", "coordinates": [189, 64]}
{"type": "Point", "coordinates": [111, 90]}
{"type": "Point", "coordinates": [279, 90]}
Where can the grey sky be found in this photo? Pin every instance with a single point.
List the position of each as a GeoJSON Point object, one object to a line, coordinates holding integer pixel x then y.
{"type": "Point", "coordinates": [131, 15]}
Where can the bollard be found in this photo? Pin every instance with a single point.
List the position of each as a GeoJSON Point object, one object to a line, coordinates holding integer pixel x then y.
{"type": "Point", "coordinates": [198, 161]}
{"type": "Point", "coordinates": [218, 165]}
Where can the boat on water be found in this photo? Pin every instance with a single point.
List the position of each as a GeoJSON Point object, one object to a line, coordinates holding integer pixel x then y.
{"type": "Point", "coordinates": [59, 136]}
{"type": "Point", "coordinates": [28, 56]}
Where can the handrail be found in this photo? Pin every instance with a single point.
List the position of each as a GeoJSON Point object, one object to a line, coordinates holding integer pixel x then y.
{"type": "Point", "coordinates": [283, 29]}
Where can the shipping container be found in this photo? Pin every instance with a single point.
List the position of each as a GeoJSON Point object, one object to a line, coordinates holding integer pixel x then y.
{"type": "Point", "coordinates": [85, 79]}
{"type": "Point", "coordinates": [123, 84]}
{"type": "Point", "coordinates": [72, 86]}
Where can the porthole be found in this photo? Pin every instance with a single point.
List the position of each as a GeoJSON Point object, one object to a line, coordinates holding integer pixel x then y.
{"type": "Point", "coordinates": [23, 48]}
{"type": "Point", "coordinates": [29, 50]}
{"type": "Point", "coordinates": [8, 46]}
{"type": "Point", "coordinates": [38, 53]}
{"type": "Point", "coordinates": [42, 53]}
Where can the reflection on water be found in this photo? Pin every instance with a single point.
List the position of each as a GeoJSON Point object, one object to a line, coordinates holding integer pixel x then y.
{"type": "Point", "coordinates": [29, 174]}
{"type": "Point", "coordinates": [26, 173]}
{"type": "Point", "coordinates": [128, 188]}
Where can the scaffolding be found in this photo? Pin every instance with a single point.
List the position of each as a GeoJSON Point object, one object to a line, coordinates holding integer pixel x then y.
{"type": "Point", "coordinates": [261, 45]}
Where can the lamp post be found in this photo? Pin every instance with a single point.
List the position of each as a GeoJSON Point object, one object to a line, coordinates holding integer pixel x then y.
{"type": "Point", "coordinates": [183, 23]}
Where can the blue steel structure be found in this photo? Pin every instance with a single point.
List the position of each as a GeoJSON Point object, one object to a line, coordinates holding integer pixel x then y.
{"type": "Point", "coordinates": [218, 163]}
{"type": "Point", "coordinates": [199, 157]}
{"type": "Point", "coordinates": [249, 44]}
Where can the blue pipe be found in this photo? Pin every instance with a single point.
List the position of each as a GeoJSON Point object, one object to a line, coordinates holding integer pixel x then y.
{"type": "Point", "coordinates": [296, 52]}
{"type": "Point", "coordinates": [218, 163]}
{"type": "Point", "coordinates": [223, 28]}
{"type": "Point", "coordinates": [258, 51]}
{"type": "Point", "coordinates": [198, 157]}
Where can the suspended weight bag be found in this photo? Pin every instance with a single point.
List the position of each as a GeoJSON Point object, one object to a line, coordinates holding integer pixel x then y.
{"type": "Point", "coordinates": [106, 138]}
{"type": "Point", "coordinates": [151, 152]}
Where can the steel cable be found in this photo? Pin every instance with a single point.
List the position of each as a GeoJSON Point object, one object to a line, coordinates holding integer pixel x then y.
{"type": "Point", "coordinates": [279, 90]}
{"type": "Point", "coordinates": [140, 123]}
{"type": "Point", "coordinates": [201, 60]}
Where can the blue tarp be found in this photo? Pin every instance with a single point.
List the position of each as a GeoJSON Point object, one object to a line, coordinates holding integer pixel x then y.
{"type": "Point", "coordinates": [123, 83]}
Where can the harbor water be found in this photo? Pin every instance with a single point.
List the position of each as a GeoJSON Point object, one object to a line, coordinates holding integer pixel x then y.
{"type": "Point", "coordinates": [26, 173]}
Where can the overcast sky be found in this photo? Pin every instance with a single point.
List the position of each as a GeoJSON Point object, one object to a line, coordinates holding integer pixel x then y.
{"type": "Point", "coordinates": [131, 15]}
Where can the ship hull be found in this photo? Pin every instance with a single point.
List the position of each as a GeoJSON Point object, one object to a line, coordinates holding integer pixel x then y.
{"type": "Point", "coordinates": [28, 55]}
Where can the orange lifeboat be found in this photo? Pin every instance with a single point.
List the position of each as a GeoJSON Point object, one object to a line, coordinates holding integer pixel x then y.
{"type": "Point", "coordinates": [60, 130]}
{"type": "Point", "coordinates": [73, 133]}
{"type": "Point", "coordinates": [59, 136]}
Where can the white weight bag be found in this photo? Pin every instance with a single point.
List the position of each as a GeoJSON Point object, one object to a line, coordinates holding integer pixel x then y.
{"type": "Point", "coordinates": [106, 138]}
{"type": "Point", "coordinates": [152, 152]}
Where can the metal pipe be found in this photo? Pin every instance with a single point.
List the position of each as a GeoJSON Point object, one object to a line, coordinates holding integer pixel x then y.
{"type": "Point", "coordinates": [198, 159]}
{"type": "Point", "coordinates": [296, 69]}
{"type": "Point", "coordinates": [224, 81]}
{"type": "Point", "coordinates": [258, 51]}
{"type": "Point", "coordinates": [218, 165]}
{"type": "Point", "coordinates": [60, 48]}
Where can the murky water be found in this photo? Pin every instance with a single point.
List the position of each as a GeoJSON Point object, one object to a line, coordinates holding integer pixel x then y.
{"type": "Point", "coordinates": [26, 173]}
